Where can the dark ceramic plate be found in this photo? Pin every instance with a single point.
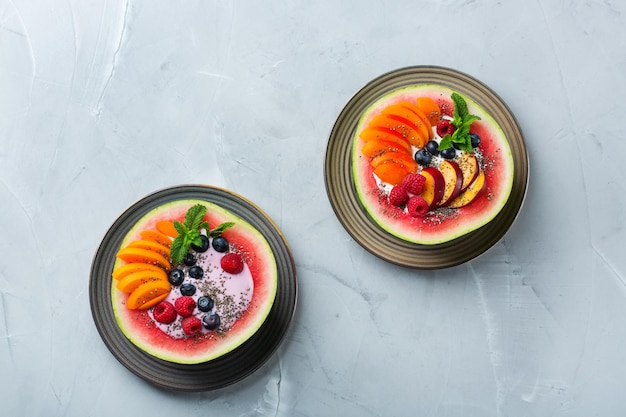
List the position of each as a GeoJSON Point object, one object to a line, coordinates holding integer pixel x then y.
{"type": "Point", "coordinates": [229, 368]}
{"type": "Point", "coordinates": [354, 218]}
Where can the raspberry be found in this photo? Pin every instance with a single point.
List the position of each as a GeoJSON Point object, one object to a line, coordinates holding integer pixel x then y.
{"type": "Point", "coordinates": [414, 183]}
{"type": "Point", "coordinates": [191, 325]}
{"type": "Point", "coordinates": [185, 305]}
{"type": "Point", "coordinates": [444, 127]}
{"type": "Point", "coordinates": [164, 312]}
{"type": "Point", "coordinates": [417, 206]}
{"type": "Point", "coordinates": [232, 263]}
{"type": "Point", "coordinates": [398, 196]}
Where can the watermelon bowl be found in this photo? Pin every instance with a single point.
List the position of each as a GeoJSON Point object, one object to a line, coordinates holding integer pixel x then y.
{"type": "Point", "coordinates": [361, 200]}
{"type": "Point", "coordinates": [209, 360]}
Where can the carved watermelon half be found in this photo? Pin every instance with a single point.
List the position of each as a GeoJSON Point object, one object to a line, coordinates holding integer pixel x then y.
{"type": "Point", "coordinates": [435, 229]}
{"type": "Point", "coordinates": [140, 329]}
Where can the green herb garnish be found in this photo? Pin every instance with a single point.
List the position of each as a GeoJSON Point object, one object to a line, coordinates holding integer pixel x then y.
{"type": "Point", "coordinates": [462, 120]}
{"type": "Point", "coordinates": [189, 232]}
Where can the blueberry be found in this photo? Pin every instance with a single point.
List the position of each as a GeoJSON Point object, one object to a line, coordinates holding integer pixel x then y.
{"type": "Point", "coordinates": [189, 259]}
{"type": "Point", "coordinates": [196, 272]}
{"type": "Point", "coordinates": [187, 289]}
{"type": "Point", "coordinates": [423, 157]}
{"type": "Point", "coordinates": [220, 244]}
{"type": "Point", "coordinates": [176, 277]}
{"type": "Point", "coordinates": [203, 247]}
{"type": "Point", "coordinates": [211, 321]}
{"type": "Point", "coordinates": [205, 303]}
{"type": "Point", "coordinates": [448, 153]}
{"type": "Point", "coordinates": [475, 140]}
{"type": "Point", "coordinates": [433, 147]}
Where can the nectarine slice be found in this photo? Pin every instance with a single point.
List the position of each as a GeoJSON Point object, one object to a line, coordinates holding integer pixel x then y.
{"type": "Point", "coordinates": [382, 133]}
{"type": "Point", "coordinates": [434, 186]}
{"type": "Point", "coordinates": [130, 282]}
{"type": "Point", "coordinates": [430, 109]}
{"type": "Point", "coordinates": [157, 237]}
{"type": "Point", "coordinates": [404, 114]}
{"type": "Point", "coordinates": [146, 293]}
{"type": "Point", "coordinates": [127, 269]}
{"type": "Point", "coordinates": [153, 246]}
{"type": "Point", "coordinates": [453, 179]}
{"type": "Point", "coordinates": [167, 228]}
{"type": "Point", "coordinates": [391, 172]}
{"type": "Point", "coordinates": [400, 125]}
{"type": "Point", "coordinates": [469, 167]}
{"type": "Point", "coordinates": [471, 193]}
{"type": "Point", "coordinates": [376, 147]}
{"type": "Point", "coordinates": [131, 255]}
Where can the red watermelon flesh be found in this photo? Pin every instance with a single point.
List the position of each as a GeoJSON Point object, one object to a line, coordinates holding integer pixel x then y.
{"type": "Point", "coordinates": [260, 269]}
{"type": "Point", "coordinates": [440, 225]}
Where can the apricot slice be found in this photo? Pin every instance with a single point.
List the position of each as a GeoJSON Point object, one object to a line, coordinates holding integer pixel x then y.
{"type": "Point", "coordinates": [153, 302]}
{"type": "Point", "coordinates": [403, 158]}
{"type": "Point", "coordinates": [122, 271]}
{"type": "Point", "coordinates": [376, 147]}
{"type": "Point", "coordinates": [392, 172]}
{"type": "Point", "coordinates": [167, 228]}
{"type": "Point", "coordinates": [430, 109]}
{"type": "Point", "coordinates": [157, 237]}
{"type": "Point", "coordinates": [402, 113]}
{"type": "Point", "coordinates": [382, 133]}
{"type": "Point", "coordinates": [140, 255]}
{"type": "Point", "coordinates": [153, 246]}
{"type": "Point", "coordinates": [471, 193]}
{"type": "Point", "coordinates": [400, 125]}
{"type": "Point", "coordinates": [130, 282]}
{"type": "Point", "coordinates": [421, 115]}
{"type": "Point", "coordinates": [146, 293]}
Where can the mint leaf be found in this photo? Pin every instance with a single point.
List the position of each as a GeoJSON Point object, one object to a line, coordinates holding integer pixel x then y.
{"type": "Point", "coordinates": [180, 228]}
{"type": "Point", "coordinates": [221, 229]}
{"type": "Point", "coordinates": [178, 250]}
{"type": "Point", "coordinates": [194, 216]}
{"type": "Point", "coordinates": [460, 106]}
{"type": "Point", "coordinates": [446, 142]}
{"type": "Point", "coordinates": [205, 226]}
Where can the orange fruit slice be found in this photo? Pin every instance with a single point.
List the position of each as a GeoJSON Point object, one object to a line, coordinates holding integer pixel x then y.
{"type": "Point", "coordinates": [153, 246]}
{"type": "Point", "coordinates": [144, 295]}
{"type": "Point", "coordinates": [430, 109]}
{"type": "Point", "coordinates": [130, 282]}
{"type": "Point", "coordinates": [167, 228]}
{"type": "Point", "coordinates": [127, 269]}
{"type": "Point", "coordinates": [401, 125]}
{"type": "Point", "coordinates": [146, 256]}
{"type": "Point", "coordinates": [382, 133]}
{"type": "Point", "coordinates": [157, 237]}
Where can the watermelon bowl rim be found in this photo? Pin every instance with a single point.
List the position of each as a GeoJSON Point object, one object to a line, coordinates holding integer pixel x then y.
{"type": "Point", "coordinates": [353, 216]}
{"type": "Point", "coordinates": [233, 366]}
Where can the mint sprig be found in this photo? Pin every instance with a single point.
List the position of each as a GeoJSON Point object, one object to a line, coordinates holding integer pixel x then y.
{"type": "Point", "coordinates": [462, 121]}
{"type": "Point", "coordinates": [189, 232]}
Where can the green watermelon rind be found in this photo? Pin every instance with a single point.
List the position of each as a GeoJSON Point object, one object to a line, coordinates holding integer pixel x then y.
{"type": "Point", "coordinates": [389, 218]}
{"type": "Point", "coordinates": [137, 325]}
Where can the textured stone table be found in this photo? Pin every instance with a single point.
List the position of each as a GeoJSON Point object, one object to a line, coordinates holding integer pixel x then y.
{"type": "Point", "coordinates": [102, 103]}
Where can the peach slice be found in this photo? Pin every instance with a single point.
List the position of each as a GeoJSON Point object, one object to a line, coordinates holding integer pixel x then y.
{"type": "Point", "coordinates": [153, 246]}
{"type": "Point", "coordinates": [376, 147]}
{"type": "Point", "coordinates": [157, 237]}
{"type": "Point", "coordinates": [130, 282]}
{"type": "Point", "coordinates": [469, 167]}
{"type": "Point", "coordinates": [430, 109]}
{"type": "Point", "coordinates": [381, 133]}
{"type": "Point", "coordinates": [453, 178]}
{"type": "Point", "coordinates": [122, 271]}
{"type": "Point", "coordinates": [401, 157]}
{"type": "Point", "coordinates": [406, 115]}
{"type": "Point", "coordinates": [167, 228]}
{"type": "Point", "coordinates": [434, 186]}
{"type": "Point", "coordinates": [392, 172]}
{"type": "Point", "coordinates": [140, 255]}
{"type": "Point", "coordinates": [400, 125]}
{"type": "Point", "coordinates": [471, 193]}
{"type": "Point", "coordinates": [421, 115]}
{"type": "Point", "coordinates": [144, 295]}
